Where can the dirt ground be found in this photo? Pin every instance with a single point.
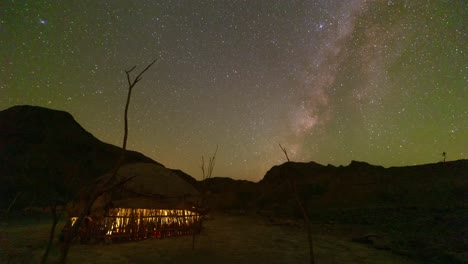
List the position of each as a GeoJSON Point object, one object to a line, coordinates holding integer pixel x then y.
{"type": "Point", "coordinates": [225, 239]}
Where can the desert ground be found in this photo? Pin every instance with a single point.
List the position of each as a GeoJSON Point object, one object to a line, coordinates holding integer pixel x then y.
{"type": "Point", "coordinates": [226, 238]}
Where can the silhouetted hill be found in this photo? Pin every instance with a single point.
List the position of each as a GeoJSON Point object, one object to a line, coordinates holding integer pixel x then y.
{"type": "Point", "coordinates": [42, 149]}
{"type": "Point", "coordinates": [361, 185]}
{"type": "Point", "coordinates": [420, 211]}
{"type": "Point", "coordinates": [225, 184]}
{"type": "Point", "coordinates": [226, 194]}
{"type": "Point", "coordinates": [358, 185]}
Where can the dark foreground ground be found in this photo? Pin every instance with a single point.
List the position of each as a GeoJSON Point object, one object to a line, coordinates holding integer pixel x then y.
{"type": "Point", "coordinates": [226, 238]}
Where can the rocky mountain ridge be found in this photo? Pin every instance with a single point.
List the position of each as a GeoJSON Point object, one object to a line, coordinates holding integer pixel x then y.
{"type": "Point", "coordinates": [40, 147]}
{"type": "Point", "coordinates": [43, 150]}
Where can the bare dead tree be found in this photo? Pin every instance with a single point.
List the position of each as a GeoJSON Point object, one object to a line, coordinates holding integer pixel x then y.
{"type": "Point", "coordinates": [108, 184]}
{"type": "Point", "coordinates": [301, 206]}
{"type": "Point", "coordinates": [210, 167]}
{"type": "Point", "coordinates": [56, 214]}
{"type": "Point", "coordinates": [206, 174]}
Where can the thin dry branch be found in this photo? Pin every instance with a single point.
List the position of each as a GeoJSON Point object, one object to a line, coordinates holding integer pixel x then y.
{"type": "Point", "coordinates": [13, 202]}
{"type": "Point", "coordinates": [211, 164]}
{"type": "Point", "coordinates": [301, 206]}
{"type": "Point", "coordinates": [201, 202]}
{"type": "Point", "coordinates": [138, 77]}
{"type": "Point", "coordinates": [284, 151]}
{"type": "Point", "coordinates": [202, 167]}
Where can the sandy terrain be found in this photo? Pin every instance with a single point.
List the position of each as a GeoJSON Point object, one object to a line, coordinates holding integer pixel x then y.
{"type": "Point", "coordinates": [225, 239]}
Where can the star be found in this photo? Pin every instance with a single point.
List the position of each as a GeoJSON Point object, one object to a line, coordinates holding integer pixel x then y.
{"type": "Point", "coordinates": [331, 81]}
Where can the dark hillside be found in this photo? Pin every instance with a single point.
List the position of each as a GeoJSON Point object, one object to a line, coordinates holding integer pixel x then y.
{"type": "Point", "coordinates": [228, 194]}
{"type": "Point", "coordinates": [43, 149]}
{"type": "Point", "coordinates": [419, 211]}
{"type": "Point", "coordinates": [361, 185]}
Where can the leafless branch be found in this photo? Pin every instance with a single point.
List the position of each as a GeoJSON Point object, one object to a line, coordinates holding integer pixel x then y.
{"type": "Point", "coordinates": [211, 164]}
{"type": "Point", "coordinates": [284, 151]}
{"type": "Point", "coordinates": [13, 202]}
{"type": "Point", "coordinates": [301, 206]}
{"type": "Point", "coordinates": [201, 202]}
{"type": "Point", "coordinates": [202, 167]}
{"type": "Point", "coordinates": [138, 77]}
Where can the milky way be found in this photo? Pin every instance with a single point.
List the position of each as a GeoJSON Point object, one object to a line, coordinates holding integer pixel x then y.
{"type": "Point", "coordinates": [332, 81]}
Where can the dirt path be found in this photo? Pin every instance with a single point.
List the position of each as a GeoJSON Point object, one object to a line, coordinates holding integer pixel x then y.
{"type": "Point", "coordinates": [236, 239]}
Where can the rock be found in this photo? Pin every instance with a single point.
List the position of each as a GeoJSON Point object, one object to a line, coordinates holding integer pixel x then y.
{"type": "Point", "coordinates": [375, 240]}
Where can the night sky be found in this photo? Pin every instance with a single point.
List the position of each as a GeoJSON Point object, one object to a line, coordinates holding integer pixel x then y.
{"type": "Point", "coordinates": [384, 82]}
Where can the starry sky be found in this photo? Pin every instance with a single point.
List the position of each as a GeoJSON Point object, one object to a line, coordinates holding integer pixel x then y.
{"type": "Point", "coordinates": [332, 81]}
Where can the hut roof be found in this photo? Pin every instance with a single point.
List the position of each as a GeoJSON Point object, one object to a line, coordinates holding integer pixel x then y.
{"type": "Point", "coordinates": [149, 203]}
{"type": "Point", "coordinates": [154, 180]}
{"type": "Point", "coordinates": [152, 186]}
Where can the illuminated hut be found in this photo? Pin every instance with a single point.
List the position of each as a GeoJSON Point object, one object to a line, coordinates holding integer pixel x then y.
{"type": "Point", "coordinates": [155, 203]}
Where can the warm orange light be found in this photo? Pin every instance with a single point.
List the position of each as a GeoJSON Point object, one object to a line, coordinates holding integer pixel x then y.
{"type": "Point", "coordinates": [73, 220]}
{"type": "Point", "coordinates": [132, 223]}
